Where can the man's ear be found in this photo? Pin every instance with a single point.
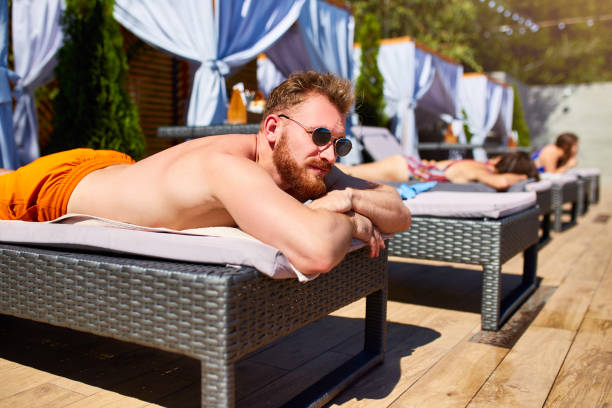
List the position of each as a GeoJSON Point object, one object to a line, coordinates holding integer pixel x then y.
{"type": "Point", "coordinates": [272, 129]}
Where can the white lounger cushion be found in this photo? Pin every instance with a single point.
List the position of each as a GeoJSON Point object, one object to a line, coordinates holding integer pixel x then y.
{"type": "Point", "coordinates": [469, 205]}
{"type": "Point", "coordinates": [541, 185]}
{"type": "Point", "coordinates": [217, 245]}
{"type": "Point", "coordinates": [585, 172]}
{"type": "Point", "coordinates": [559, 179]}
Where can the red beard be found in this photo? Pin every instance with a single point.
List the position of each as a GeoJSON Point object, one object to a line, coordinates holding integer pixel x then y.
{"type": "Point", "coordinates": [301, 186]}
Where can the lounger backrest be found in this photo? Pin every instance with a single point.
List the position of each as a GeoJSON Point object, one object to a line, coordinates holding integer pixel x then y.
{"type": "Point", "coordinates": [378, 141]}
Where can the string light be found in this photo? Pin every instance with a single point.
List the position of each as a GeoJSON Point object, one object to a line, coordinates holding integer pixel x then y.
{"type": "Point", "coordinates": [529, 25]}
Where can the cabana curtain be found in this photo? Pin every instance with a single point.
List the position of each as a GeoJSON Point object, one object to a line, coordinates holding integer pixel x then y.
{"type": "Point", "coordinates": [321, 41]}
{"type": "Point", "coordinates": [8, 150]}
{"type": "Point", "coordinates": [481, 99]}
{"type": "Point", "coordinates": [236, 33]}
{"type": "Point", "coordinates": [504, 122]}
{"type": "Point", "coordinates": [37, 36]}
{"type": "Point", "coordinates": [443, 95]}
{"type": "Point", "coordinates": [408, 74]}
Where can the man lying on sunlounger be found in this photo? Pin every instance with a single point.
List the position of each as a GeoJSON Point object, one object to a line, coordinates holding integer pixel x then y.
{"type": "Point", "coordinates": [499, 172]}
{"type": "Point", "coordinates": [256, 182]}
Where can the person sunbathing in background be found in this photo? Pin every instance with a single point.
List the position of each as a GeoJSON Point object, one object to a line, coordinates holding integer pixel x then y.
{"type": "Point", "coordinates": [258, 182]}
{"type": "Point", "coordinates": [558, 157]}
{"type": "Point", "coordinates": [499, 172]}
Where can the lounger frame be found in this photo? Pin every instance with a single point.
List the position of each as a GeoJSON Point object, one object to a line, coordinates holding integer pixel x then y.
{"type": "Point", "coordinates": [544, 201]}
{"type": "Point", "coordinates": [566, 193]}
{"type": "Point", "coordinates": [486, 242]}
{"type": "Point", "coordinates": [217, 314]}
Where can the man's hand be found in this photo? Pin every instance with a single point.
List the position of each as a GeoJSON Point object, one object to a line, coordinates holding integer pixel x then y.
{"type": "Point", "coordinates": [364, 230]}
{"type": "Point", "coordinates": [338, 201]}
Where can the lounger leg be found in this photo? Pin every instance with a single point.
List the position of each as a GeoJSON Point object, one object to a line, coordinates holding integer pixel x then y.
{"type": "Point", "coordinates": [545, 229]}
{"type": "Point", "coordinates": [376, 323]}
{"type": "Point", "coordinates": [514, 299]}
{"type": "Point", "coordinates": [558, 213]}
{"type": "Point", "coordinates": [491, 296]}
{"type": "Point", "coordinates": [373, 353]}
{"type": "Point", "coordinates": [218, 383]}
{"type": "Point", "coordinates": [576, 211]}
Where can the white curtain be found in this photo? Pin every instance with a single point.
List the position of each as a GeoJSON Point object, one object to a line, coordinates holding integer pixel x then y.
{"type": "Point", "coordinates": [408, 73]}
{"type": "Point", "coordinates": [235, 33]}
{"type": "Point", "coordinates": [268, 75]}
{"type": "Point", "coordinates": [481, 99]}
{"type": "Point", "coordinates": [443, 95]}
{"type": "Point", "coordinates": [8, 150]}
{"type": "Point", "coordinates": [504, 122]}
{"type": "Point", "coordinates": [322, 41]}
{"type": "Point", "coordinates": [37, 36]}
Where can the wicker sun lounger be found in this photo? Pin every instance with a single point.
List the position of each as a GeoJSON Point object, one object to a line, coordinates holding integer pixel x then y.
{"type": "Point", "coordinates": [480, 238]}
{"type": "Point", "coordinates": [542, 188]}
{"type": "Point", "coordinates": [591, 179]}
{"type": "Point", "coordinates": [566, 189]}
{"type": "Point", "coordinates": [215, 313]}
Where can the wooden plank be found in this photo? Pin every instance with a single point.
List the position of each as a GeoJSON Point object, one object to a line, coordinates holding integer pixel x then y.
{"type": "Point", "coordinates": [107, 399]}
{"type": "Point", "coordinates": [585, 379]}
{"type": "Point", "coordinates": [593, 266]}
{"type": "Point", "coordinates": [43, 395]}
{"type": "Point", "coordinates": [454, 380]}
{"type": "Point", "coordinates": [411, 351]}
{"type": "Point", "coordinates": [75, 386]}
{"type": "Point", "coordinates": [525, 376]}
{"type": "Point", "coordinates": [567, 306]}
{"type": "Point", "coordinates": [281, 391]}
{"type": "Point", "coordinates": [22, 378]}
{"type": "Point", "coordinates": [601, 305]}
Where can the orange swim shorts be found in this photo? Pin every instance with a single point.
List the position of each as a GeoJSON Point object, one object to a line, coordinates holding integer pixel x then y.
{"type": "Point", "coordinates": [40, 190]}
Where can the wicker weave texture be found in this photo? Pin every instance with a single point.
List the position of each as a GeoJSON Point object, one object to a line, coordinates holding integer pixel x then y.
{"type": "Point", "coordinates": [217, 314]}
{"type": "Point", "coordinates": [466, 240]}
{"type": "Point", "coordinates": [482, 242]}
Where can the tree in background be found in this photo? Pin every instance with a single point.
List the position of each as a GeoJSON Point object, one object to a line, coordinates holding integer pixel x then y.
{"type": "Point", "coordinates": [447, 26]}
{"type": "Point", "coordinates": [370, 102]}
{"type": "Point", "coordinates": [92, 106]}
{"type": "Point", "coordinates": [518, 120]}
{"type": "Point", "coordinates": [571, 46]}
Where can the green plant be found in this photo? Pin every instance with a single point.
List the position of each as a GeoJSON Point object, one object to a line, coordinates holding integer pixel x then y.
{"type": "Point", "coordinates": [466, 128]}
{"type": "Point", "coordinates": [92, 106]}
{"type": "Point", "coordinates": [369, 86]}
{"type": "Point", "coordinates": [518, 120]}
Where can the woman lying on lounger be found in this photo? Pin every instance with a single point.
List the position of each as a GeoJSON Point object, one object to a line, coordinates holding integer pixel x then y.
{"type": "Point", "coordinates": [558, 157]}
{"type": "Point", "coordinates": [498, 172]}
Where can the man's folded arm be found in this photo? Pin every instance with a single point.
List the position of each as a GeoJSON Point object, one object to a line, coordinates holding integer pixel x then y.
{"type": "Point", "coordinates": [313, 240]}
{"type": "Point", "coordinates": [378, 202]}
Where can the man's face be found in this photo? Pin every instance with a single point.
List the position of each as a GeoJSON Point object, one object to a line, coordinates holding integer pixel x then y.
{"type": "Point", "coordinates": [302, 164]}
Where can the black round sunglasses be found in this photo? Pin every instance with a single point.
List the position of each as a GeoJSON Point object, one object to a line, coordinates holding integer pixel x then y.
{"type": "Point", "coordinates": [322, 137]}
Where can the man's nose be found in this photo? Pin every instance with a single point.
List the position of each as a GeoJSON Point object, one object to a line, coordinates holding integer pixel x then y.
{"type": "Point", "coordinates": [328, 153]}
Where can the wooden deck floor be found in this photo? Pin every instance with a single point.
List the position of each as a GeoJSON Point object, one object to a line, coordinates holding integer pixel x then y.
{"type": "Point", "coordinates": [555, 352]}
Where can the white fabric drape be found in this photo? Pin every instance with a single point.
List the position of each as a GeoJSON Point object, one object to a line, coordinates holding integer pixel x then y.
{"type": "Point", "coordinates": [443, 95]}
{"type": "Point", "coordinates": [481, 99]}
{"type": "Point", "coordinates": [322, 41]}
{"type": "Point", "coordinates": [504, 122]}
{"type": "Point", "coordinates": [219, 41]}
{"type": "Point", "coordinates": [8, 151]}
{"type": "Point", "coordinates": [37, 36]}
{"type": "Point", "coordinates": [408, 73]}
{"type": "Point", "coordinates": [268, 75]}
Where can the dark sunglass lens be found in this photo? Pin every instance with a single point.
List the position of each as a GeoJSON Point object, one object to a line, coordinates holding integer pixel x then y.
{"type": "Point", "coordinates": [321, 136]}
{"type": "Point", "coordinates": [343, 147]}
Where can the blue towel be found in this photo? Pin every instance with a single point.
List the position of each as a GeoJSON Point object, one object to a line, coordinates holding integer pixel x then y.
{"type": "Point", "coordinates": [407, 192]}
